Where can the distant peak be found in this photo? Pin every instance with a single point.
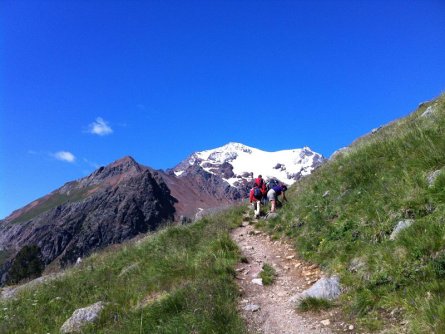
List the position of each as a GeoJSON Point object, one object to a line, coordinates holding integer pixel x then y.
{"type": "Point", "coordinates": [234, 144]}
{"type": "Point", "coordinates": [121, 166]}
{"type": "Point", "coordinates": [126, 160]}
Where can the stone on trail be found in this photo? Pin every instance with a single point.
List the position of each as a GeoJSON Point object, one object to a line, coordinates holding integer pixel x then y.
{"type": "Point", "coordinates": [258, 281]}
{"type": "Point", "coordinates": [326, 322]}
{"type": "Point", "coordinates": [325, 288]}
{"type": "Point", "coordinates": [251, 307]}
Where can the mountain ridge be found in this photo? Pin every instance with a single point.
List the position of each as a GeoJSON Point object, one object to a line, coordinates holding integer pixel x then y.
{"type": "Point", "coordinates": [237, 163]}
{"type": "Point", "coordinates": [124, 198]}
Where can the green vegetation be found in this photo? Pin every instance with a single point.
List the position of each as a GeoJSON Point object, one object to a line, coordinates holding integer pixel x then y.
{"type": "Point", "coordinates": [342, 216]}
{"type": "Point", "coordinates": [179, 280]}
{"type": "Point", "coordinates": [27, 264]}
{"type": "Point", "coordinates": [314, 304]}
{"type": "Point", "coordinates": [53, 201]}
{"type": "Point", "coordinates": [268, 274]}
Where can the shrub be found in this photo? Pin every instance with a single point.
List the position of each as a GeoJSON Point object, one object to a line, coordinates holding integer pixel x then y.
{"type": "Point", "coordinates": [27, 264]}
{"type": "Point", "coordinates": [314, 304]}
{"type": "Point", "coordinates": [268, 274]}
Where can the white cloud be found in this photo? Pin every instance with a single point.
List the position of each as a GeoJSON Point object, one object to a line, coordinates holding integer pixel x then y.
{"type": "Point", "coordinates": [100, 127]}
{"type": "Point", "coordinates": [64, 156]}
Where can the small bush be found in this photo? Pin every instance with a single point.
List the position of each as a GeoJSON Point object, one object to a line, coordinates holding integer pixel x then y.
{"type": "Point", "coordinates": [314, 304]}
{"type": "Point", "coordinates": [268, 274]}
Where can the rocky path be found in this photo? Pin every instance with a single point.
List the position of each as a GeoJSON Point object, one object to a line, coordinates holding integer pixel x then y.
{"type": "Point", "coordinates": [268, 309]}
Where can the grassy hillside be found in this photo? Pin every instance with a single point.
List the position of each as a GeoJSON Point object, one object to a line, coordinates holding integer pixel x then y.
{"type": "Point", "coordinates": [342, 217]}
{"type": "Point", "coordinates": [180, 280]}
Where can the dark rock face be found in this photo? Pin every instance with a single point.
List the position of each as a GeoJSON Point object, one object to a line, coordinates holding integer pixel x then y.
{"type": "Point", "coordinates": [113, 204]}
{"type": "Point", "coordinates": [198, 190]}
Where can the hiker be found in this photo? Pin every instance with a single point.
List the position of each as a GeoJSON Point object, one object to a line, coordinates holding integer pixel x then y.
{"type": "Point", "coordinates": [255, 198]}
{"type": "Point", "coordinates": [273, 193]}
{"type": "Point", "coordinates": [259, 182]}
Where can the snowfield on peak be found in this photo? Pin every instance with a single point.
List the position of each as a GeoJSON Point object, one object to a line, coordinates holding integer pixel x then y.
{"type": "Point", "coordinates": [248, 162]}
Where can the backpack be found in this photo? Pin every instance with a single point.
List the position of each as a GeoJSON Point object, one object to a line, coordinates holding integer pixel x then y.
{"type": "Point", "coordinates": [272, 183]}
{"type": "Point", "coordinates": [257, 193]}
{"type": "Point", "coordinates": [259, 182]}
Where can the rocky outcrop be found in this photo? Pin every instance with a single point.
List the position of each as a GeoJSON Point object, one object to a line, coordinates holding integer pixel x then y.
{"type": "Point", "coordinates": [82, 317]}
{"type": "Point", "coordinates": [401, 225]}
{"type": "Point", "coordinates": [325, 288]}
{"type": "Point", "coordinates": [198, 191]}
{"type": "Point", "coordinates": [113, 204]}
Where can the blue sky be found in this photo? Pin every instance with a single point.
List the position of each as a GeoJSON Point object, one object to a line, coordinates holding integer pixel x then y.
{"type": "Point", "coordinates": [83, 83]}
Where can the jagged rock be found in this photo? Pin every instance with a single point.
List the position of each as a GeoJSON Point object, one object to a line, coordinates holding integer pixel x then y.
{"type": "Point", "coordinates": [82, 317]}
{"type": "Point", "coordinates": [184, 220]}
{"type": "Point", "coordinates": [339, 153]}
{"type": "Point", "coordinates": [431, 177]}
{"type": "Point", "coordinates": [324, 288]}
{"type": "Point", "coordinates": [375, 130]}
{"type": "Point", "coordinates": [428, 112]}
{"type": "Point", "coordinates": [271, 215]}
{"type": "Point", "coordinates": [11, 292]}
{"type": "Point", "coordinates": [401, 225]}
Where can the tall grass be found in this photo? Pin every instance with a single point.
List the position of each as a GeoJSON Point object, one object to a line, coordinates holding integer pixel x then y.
{"type": "Point", "coordinates": [343, 214]}
{"type": "Point", "coordinates": [179, 280]}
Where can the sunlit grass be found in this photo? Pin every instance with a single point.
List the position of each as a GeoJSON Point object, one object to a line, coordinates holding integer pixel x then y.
{"type": "Point", "coordinates": [179, 280]}
{"type": "Point", "coordinates": [342, 216]}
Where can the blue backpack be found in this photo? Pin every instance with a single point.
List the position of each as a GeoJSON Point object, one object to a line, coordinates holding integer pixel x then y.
{"type": "Point", "coordinates": [272, 183]}
{"type": "Point", "coordinates": [257, 193]}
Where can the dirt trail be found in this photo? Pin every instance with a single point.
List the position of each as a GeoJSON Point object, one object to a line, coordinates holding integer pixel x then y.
{"type": "Point", "coordinates": [267, 309]}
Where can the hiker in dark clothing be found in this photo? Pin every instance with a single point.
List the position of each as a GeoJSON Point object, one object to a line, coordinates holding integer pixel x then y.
{"type": "Point", "coordinates": [273, 193]}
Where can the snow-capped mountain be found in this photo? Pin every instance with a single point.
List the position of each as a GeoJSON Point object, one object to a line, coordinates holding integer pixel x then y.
{"type": "Point", "coordinates": [237, 163]}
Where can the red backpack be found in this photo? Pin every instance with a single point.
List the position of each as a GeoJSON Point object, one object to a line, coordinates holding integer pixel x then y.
{"type": "Point", "coordinates": [259, 182]}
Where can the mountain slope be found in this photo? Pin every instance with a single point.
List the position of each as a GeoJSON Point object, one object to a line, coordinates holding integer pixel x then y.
{"type": "Point", "coordinates": [123, 199]}
{"type": "Point", "coordinates": [111, 205]}
{"type": "Point", "coordinates": [374, 214]}
{"type": "Point", "coordinates": [178, 280]}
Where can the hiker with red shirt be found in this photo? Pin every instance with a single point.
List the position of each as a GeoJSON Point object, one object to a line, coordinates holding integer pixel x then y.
{"type": "Point", "coordinates": [256, 194]}
{"type": "Point", "coordinates": [259, 182]}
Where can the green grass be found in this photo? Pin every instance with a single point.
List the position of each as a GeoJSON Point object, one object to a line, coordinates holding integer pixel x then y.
{"type": "Point", "coordinates": [179, 280]}
{"type": "Point", "coordinates": [52, 202]}
{"type": "Point", "coordinates": [314, 304]}
{"type": "Point", "coordinates": [268, 274]}
{"type": "Point", "coordinates": [379, 181]}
